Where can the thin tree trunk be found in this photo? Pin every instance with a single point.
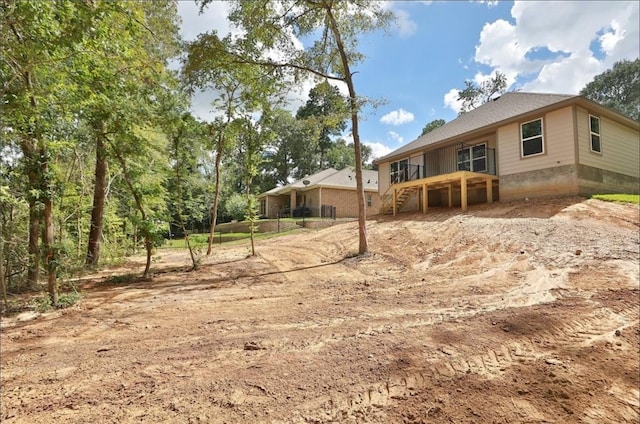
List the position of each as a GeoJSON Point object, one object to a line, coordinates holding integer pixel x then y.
{"type": "Point", "coordinates": [50, 257]}
{"type": "Point", "coordinates": [3, 283]}
{"type": "Point", "coordinates": [33, 273]}
{"type": "Point", "coordinates": [252, 217]}
{"type": "Point", "coordinates": [99, 192]}
{"type": "Point", "coordinates": [216, 195]}
{"type": "Point", "coordinates": [194, 262]}
{"type": "Point", "coordinates": [363, 246]}
{"type": "Point", "coordinates": [138, 201]}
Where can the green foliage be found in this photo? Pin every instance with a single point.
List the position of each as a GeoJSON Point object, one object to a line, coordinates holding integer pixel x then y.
{"type": "Point", "coordinates": [617, 88]}
{"type": "Point", "coordinates": [326, 112]}
{"type": "Point", "coordinates": [235, 206]}
{"type": "Point", "coordinates": [42, 303]}
{"type": "Point", "coordinates": [621, 198]}
{"type": "Point", "coordinates": [341, 155]}
{"type": "Point", "coordinates": [475, 95]}
{"type": "Point", "coordinates": [436, 123]}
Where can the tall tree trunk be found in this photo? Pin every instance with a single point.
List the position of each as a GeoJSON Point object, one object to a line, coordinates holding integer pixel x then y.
{"type": "Point", "coordinates": [216, 195]}
{"type": "Point", "coordinates": [3, 283]}
{"type": "Point", "coordinates": [33, 273]}
{"type": "Point", "coordinates": [33, 177]}
{"type": "Point", "coordinates": [363, 246]}
{"type": "Point", "coordinates": [99, 192]}
{"type": "Point", "coordinates": [50, 261]}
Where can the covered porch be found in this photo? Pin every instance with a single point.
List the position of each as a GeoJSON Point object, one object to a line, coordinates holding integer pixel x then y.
{"type": "Point", "coordinates": [455, 185]}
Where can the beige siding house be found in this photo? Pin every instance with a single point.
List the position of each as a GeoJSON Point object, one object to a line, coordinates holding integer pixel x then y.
{"type": "Point", "coordinates": [518, 145]}
{"type": "Point", "coordinates": [328, 193]}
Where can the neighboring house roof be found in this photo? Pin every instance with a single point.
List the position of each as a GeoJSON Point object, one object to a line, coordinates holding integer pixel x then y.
{"type": "Point", "coordinates": [329, 178]}
{"type": "Point", "coordinates": [508, 107]}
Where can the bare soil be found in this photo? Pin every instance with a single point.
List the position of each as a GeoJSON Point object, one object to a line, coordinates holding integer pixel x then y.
{"type": "Point", "coordinates": [522, 312]}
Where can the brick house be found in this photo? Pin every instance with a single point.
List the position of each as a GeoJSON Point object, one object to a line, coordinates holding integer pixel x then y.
{"type": "Point", "coordinates": [320, 193]}
{"type": "Point", "coordinates": [519, 145]}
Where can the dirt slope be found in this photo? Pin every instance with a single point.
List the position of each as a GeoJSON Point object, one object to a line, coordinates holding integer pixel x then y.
{"type": "Point", "coordinates": [523, 312]}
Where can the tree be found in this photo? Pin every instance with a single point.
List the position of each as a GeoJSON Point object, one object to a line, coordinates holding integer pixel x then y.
{"type": "Point", "coordinates": [243, 89]}
{"type": "Point", "coordinates": [332, 30]}
{"type": "Point", "coordinates": [432, 126]}
{"type": "Point", "coordinates": [121, 72]}
{"type": "Point", "coordinates": [143, 161]}
{"type": "Point", "coordinates": [186, 185]}
{"type": "Point", "coordinates": [39, 39]}
{"type": "Point", "coordinates": [475, 95]}
{"type": "Point", "coordinates": [341, 155]}
{"type": "Point", "coordinates": [617, 88]}
{"type": "Point", "coordinates": [327, 112]}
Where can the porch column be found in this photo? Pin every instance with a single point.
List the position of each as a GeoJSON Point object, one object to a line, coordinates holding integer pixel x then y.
{"type": "Point", "coordinates": [450, 193]}
{"type": "Point", "coordinates": [489, 190]}
{"type": "Point", "coordinates": [463, 192]}
{"type": "Point", "coordinates": [395, 201]}
{"type": "Point", "coordinates": [292, 201]}
{"type": "Point", "coordinates": [425, 198]}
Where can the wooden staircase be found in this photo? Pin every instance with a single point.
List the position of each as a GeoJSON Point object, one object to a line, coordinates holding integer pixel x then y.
{"type": "Point", "coordinates": [403, 196]}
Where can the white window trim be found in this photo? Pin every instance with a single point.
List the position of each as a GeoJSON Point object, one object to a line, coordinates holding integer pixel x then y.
{"type": "Point", "coordinates": [591, 134]}
{"type": "Point", "coordinates": [522, 140]}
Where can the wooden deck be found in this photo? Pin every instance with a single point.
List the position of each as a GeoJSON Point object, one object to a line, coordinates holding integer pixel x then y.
{"type": "Point", "coordinates": [460, 180]}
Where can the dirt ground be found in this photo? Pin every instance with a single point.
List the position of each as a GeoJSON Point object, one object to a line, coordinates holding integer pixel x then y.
{"type": "Point", "coordinates": [522, 312]}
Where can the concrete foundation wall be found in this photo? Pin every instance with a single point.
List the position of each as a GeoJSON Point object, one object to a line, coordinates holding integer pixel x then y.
{"type": "Point", "coordinates": [598, 181]}
{"type": "Point", "coordinates": [557, 181]}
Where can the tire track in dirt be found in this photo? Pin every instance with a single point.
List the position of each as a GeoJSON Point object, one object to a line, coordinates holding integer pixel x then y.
{"type": "Point", "coordinates": [448, 362]}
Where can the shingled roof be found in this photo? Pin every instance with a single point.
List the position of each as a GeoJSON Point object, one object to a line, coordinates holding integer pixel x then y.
{"type": "Point", "coordinates": [330, 178]}
{"type": "Point", "coordinates": [504, 108]}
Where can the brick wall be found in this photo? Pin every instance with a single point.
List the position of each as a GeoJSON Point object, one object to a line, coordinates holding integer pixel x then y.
{"type": "Point", "coordinates": [346, 202]}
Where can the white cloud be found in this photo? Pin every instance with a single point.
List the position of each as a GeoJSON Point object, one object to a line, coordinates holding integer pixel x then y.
{"type": "Point", "coordinates": [214, 17]}
{"type": "Point", "coordinates": [406, 26]}
{"type": "Point", "coordinates": [549, 47]}
{"type": "Point", "coordinates": [397, 117]}
{"type": "Point", "coordinates": [489, 3]}
{"type": "Point", "coordinates": [451, 100]}
{"type": "Point", "coordinates": [608, 40]}
{"type": "Point", "coordinates": [378, 149]}
{"type": "Point", "coordinates": [395, 136]}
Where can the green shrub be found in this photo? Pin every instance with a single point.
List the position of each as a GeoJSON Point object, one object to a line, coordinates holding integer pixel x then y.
{"type": "Point", "coordinates": [621, 198]}
{"type": "Point", "coordinates": [236, 206]}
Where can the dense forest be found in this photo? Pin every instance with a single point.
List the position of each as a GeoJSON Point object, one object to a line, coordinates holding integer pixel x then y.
{"type": "Point", "coordinates": [101, 156]}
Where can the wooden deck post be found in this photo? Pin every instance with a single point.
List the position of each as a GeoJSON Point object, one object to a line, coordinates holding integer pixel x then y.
{"type": "Point", "coordinates": [463, 192]}
{"type": "Point", "coordinates": [395, 201]}
{"type": "Point", "coordinates": [450, 193]}
{"type": "Point", "coordinates": [489, 190]}
{"type": "Point", "coordinates": [425, 198]}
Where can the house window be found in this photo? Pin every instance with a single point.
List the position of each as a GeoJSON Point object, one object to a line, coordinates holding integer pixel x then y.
{"type": "Point", "coordinates": [531, 138]}
{"type": "Point", "coordinates": [399, 171]}
{"type": "Point", "coordinates": [473, 158]}
{"type": "Point", "coordinates": [369, 200]}
{"type": "Point", "coordinates": [594, 128]}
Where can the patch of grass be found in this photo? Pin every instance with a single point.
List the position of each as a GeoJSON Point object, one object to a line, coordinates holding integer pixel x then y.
{"type": "Point", "coordinates": [200, 240]}
{"type": "Point", "coordinates": [43, 304]}
{"type": "Point", "coordinates": [121, 279]}
{"type": "Point", "coordinates": [620, 198]}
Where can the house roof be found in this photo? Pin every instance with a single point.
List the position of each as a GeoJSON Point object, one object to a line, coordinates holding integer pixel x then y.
{"type": "Point", "coordinates": [509, 106]}
{"type": "Point", "coordinates": [329, 178]}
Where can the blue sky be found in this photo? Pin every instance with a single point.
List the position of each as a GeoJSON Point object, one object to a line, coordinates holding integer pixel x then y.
{"type": "Point", "coordinates": [434, 46]}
